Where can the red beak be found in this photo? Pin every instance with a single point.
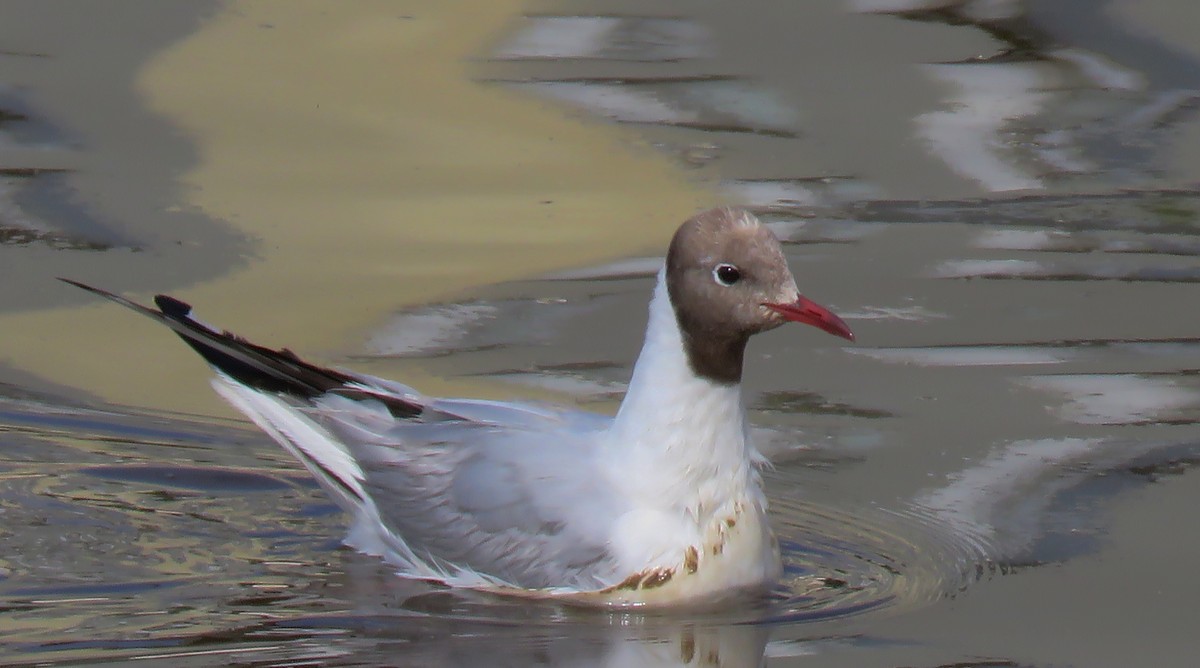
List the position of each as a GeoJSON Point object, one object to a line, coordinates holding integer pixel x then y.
{"type": "Point", "coordinates": [811, 313]}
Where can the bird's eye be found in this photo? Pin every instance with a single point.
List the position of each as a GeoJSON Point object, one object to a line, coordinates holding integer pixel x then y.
{"type": "Point", "coordinates": [727, 274]}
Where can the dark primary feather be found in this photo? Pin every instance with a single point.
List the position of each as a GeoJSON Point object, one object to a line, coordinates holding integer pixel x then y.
{"type": "Point", "coordinates": [254, 365]}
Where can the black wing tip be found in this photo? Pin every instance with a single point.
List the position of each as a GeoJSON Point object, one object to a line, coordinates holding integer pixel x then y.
{"type": "Point", "coordinates": [111, 296]}
{"type": "Point", "coordinates": [168, 305]}
{"type": "Point", "coordinates": [85, 286]}
{"type": "Point", "coordinates": [250, 364]}
{"type": "Point", "coordinates": [172, 307]}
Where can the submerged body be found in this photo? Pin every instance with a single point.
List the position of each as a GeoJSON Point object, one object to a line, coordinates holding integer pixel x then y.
{"type": "Point", "coordinates": [660, 504]}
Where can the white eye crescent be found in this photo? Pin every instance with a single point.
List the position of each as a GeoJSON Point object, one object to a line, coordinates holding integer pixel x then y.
{"type": "Point", "coordinates": [726, 274]}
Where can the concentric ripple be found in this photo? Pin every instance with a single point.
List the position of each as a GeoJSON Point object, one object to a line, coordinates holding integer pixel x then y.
{"type": "Point", "coordinates": [840, 562]}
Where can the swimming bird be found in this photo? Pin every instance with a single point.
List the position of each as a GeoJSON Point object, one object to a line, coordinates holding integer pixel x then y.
{"type": "Point", "coordinates": [660, 504]}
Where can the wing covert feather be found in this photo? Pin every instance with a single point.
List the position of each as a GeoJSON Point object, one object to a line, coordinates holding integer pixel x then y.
{"type": "Point", "coordinates": [521, 504]}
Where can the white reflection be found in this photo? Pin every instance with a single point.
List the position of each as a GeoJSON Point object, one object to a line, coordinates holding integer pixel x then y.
{"type": "Point", "coordinates": [616, 101]}
{"type": "Point", "coordinates": [426, 330]}
{"type": "Point", "coordinates": [559, 37]}
{"type": "Point", "coordinates": [12, 214]}
{"type": "Point", "coordinates": [1030, 240]}
{"type": "Point", "coordinates": [968, 134]}
{"type": "Point", "coordinates": [903, 313]}
{"type": "Point", "coordinates": [989, 268]}
{"type": "Point", "coordinates": [772, 193]}
{"type": "Point", "coordinates": [1084, 242]}
{"type": "Point", "coordinates": [1117, 398]}
{"type": "Point", "coordinates": [705, 103]}
{"type": "Point", "coordinates": [1100, 70]}
{"type": "Point", "coordinates": [968, 355]}
{"type": "Point", "coordinates": [445, 328]}
{"type": "Point", "coordinates": [613, 37]}
{"type": "Point", "coordinates": [1000, 502]}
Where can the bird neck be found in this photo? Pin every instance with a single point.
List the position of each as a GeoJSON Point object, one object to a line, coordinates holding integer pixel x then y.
{"type": "Point", "coordinates": [681, 436]}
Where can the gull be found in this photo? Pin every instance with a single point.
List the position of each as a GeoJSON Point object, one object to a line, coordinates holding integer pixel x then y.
{"type": "Point", "coordinates": [659, 505]}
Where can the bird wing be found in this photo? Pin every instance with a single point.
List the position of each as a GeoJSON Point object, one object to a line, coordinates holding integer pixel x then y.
{"type": "Point", "coordinates": [468, 503]}
{"type": "Point", "coordinates": [526, 507]}
{"type": "Point", "coordinates": [475, 493]}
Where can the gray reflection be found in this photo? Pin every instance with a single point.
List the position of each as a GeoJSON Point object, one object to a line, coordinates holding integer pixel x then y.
{"type": "Point", "coordinates": [1034, 501]}
{"type": "Point", "coordinates": [443, 329]}
{"type": "Point", "coordinates": [633, 38]}
{"type": "Point", "coordinates": [1067, 241]}
{"type": "Point", "coordinates": [426, 641]}
{"type": "Point", "coordinates": [1063, 271]}
{"type": "Point", "coordinates": [1071, 98]}
{"type": "Point", "coordinates": [1123, 398]}
{"type": "Point", "coordinates": [709, 103]}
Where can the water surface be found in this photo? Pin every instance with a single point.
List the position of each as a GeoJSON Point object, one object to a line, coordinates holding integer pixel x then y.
{"type": "Point", "coordinates": [998, 197]}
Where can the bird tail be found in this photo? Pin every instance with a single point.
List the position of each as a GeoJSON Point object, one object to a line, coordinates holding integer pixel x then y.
{"type": "Point", "coordinates": [258, 367]}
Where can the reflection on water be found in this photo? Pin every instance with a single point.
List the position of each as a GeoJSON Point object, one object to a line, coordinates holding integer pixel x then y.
{"type": "Point", "coordinates": [1033, 270]}
{"type": "Point", "coordinates": [128, 555]}
{"type": "Point", "coordinates": [1026, 358]}
{"type": "Point", "coordinates": [707, 104]}
{"type": "Point", "coordinates": [636, 38]}
{"type": "Point", "coordinates": [1062, 241]}
{"type": "Point", "coordinates": [1135, 399]}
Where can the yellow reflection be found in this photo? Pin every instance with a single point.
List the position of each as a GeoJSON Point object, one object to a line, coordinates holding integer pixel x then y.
{"type": "Point", "coordinates": [350, 139]}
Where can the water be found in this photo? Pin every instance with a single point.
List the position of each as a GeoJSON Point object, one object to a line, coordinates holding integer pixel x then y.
{"type": "Point", "coordinates": [199, 540]}
{"type": "Point", "coordinates": [999, 198]}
